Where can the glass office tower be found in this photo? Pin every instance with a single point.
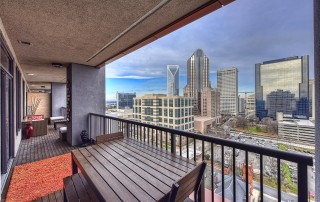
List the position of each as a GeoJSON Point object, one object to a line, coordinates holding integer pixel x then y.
{"type": "Point", "coordinates": [283, 86]}
{"type": "Point", "coordinates": [173, 80]}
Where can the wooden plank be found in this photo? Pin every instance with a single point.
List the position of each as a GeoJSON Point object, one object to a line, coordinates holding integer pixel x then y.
{"type": "Point", "coordinates": [80, 188]}
{"type": "Point", "coordinates": [70, 190]}
{"type": "Point", "coordinates": [142, 190]}
{"type": "Point", "coordinates": [138, 160]}
{"type": "Point", "coordinates": [109, 137]}
{"type": "Point", "coordinates": [165, 153]}
{"type": "Point", "coordinates": [93, 178]}
{"type": "Point", "coordinates": [59, 195]}
{"type": "Point", "coordinates": [149, 159]}
{"type": "Point", "coordinates": [109, 179]}
{"type": "Point", "coordinates": [45, 198]}
{"type": "Point", "coordinates": [127, 167]}
{"type": "Point", "coordinates": [137, 149]}
{"type": "Point", "coordinates": [52, 197]}
{"type": "Point", "coordinates": [89, 189]}
{"type": "Point", "coordinates": [142, 168]}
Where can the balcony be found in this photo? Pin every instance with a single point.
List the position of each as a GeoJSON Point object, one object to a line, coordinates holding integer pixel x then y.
{"type": "Point", "coordinates": [50, 43]}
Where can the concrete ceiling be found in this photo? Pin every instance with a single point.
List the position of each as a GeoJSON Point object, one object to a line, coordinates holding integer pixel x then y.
{"type": "Point", "coordinates": [90, 32]}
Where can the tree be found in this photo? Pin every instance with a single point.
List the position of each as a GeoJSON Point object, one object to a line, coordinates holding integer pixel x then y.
{"type": "Point", "coordinates": [271, 125]}
{"type": "Point", "coordinates": [242, 122]}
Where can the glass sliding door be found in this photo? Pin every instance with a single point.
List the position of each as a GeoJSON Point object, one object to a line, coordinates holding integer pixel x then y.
{"type": "Point", "coordinates": [7, 139]}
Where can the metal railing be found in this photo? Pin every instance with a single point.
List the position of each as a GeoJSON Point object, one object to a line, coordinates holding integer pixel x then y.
{"type": "Point", "coordinates": [177, 142]}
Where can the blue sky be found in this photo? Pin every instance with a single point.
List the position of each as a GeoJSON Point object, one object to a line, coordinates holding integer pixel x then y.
{"type": "Point", "coordinates": [240, 35]}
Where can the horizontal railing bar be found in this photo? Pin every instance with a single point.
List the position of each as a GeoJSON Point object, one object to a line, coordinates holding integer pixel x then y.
{"type": "Point", "coordinates": [293, 157]}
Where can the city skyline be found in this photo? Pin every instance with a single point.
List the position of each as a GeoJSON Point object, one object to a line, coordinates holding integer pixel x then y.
{"type": "Point", "coordinates": [250, 32]}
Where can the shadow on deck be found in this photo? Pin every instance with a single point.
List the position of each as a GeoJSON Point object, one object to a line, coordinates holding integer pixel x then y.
{"type": "Point", "coordinates": [42, 147]}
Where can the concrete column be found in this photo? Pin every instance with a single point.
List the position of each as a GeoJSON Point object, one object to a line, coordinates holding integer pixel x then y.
{"type": "Point", "coordinates": [317, 92]}
{"type": "Point", "coordinates": [58, 98]}
{"type": "Point", "coordinates": [87, 89]}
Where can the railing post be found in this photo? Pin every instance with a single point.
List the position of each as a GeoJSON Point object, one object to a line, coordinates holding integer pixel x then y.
{"type": "Point", "coordinates": [173, 143]}
{"type": "Point", "coordinates": [302, 182]}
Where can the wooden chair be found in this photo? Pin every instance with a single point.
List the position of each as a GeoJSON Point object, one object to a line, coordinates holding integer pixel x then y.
{"type": "Point", "coordinates": [188, 184]}
{"type": "Point", "coordinates": [109, 137]}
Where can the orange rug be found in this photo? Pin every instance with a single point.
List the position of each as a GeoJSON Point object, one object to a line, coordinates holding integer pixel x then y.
{"type": "Point", "coordinates": [34, 180]}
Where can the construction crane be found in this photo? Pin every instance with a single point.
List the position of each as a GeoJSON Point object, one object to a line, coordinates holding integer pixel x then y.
{"type": "Point", "coordinates": [245, 94]}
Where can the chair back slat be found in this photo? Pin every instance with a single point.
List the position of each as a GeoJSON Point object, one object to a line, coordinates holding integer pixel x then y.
{"type": "Point", "coordinates": [188, 184]}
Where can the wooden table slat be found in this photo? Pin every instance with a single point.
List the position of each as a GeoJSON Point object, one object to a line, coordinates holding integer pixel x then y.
{"type": "Point", "coordinates": [130, 171]}
{"type": "Point", "coordinates": [169, 169]}
{"type": "Point", "coordinates": [140, 181]}
{"type": "Point", "coordinates": [109, 179]}
{"type": "Point", "coordinates": [138, 165]}
{"type": "Point", "coordinates": [139, 193]}
{"type": "Point", "coordinates": [164, 171]}
{"type": "Point", "coordinates": [162, 152]}
{"type": "Point", "coordinates": [93, 176]}
{"type": "Point", "coordinates": [138, 149]}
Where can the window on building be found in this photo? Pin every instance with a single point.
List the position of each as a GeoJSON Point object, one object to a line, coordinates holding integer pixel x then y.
{"type": "Point", "coordinates": [170, 102]}
{"type": "Point", "coordinates": [171, 112]}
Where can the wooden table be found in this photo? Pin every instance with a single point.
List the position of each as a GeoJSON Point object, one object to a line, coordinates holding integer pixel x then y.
{"type": "Point", "coordinates": [128, 170]}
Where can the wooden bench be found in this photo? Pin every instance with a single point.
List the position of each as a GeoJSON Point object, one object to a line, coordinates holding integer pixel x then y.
{"type": "Point", "coordinates": [109, 137]}
{"type": "Point", "coordinates": [76, 188]}
{"type": "Point", "coordinates": [56, 196]}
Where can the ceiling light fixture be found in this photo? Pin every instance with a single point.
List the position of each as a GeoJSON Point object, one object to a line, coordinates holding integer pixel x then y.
{"type": "Point", "coordinates": [25, 42]}
{"type": "Point", "coordinates": [56, 65]}
{"type": "Point", "coordinates": [30, 74]}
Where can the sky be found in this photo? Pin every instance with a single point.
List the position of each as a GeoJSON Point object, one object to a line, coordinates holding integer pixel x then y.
{"type": "Point", "coordinates": [241, 34]}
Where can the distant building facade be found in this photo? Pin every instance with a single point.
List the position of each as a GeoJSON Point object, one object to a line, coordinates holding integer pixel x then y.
{"type": "Point", "coordinates": [311, 99]}
{"type": "Point", "coordinates": [297, 131]}
{"type": "Point", "coordinates": [242, 105]}
{"type": "Point", "coordinates": [168, 111]}
{"type": "Point", "coordinates": [282, 86]}
{"type": "Point", "coordinates": [197, 78]}
{"type": "Point", "coordinates": [251, 106]}
{"type": "Point", "coordinates": [228, 87]}
{"type": "Point", "coordinates": [210, 103]}
{"type": "Point", "coordinates": [125, 100]}
{"type": "Point", "coordinates": [173, 80]}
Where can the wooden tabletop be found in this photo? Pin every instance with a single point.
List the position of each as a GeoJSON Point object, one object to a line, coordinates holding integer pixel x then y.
{"type": "Point", "coordinates": [128, 170]}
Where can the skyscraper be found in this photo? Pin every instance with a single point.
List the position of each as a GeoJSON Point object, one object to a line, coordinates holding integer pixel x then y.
{"type": "Point", "coordinates": [197, 78]}
{"type": "Point", "coordinates": [173, 80]}
{"type": "Point", "coordinates": [228, 87]}
{"type": "Point", "coordinates": [282, 86]}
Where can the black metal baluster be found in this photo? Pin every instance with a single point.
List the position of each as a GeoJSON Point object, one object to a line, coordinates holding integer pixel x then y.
{"type": "Point", "coordinates": [156, 138]}
{"type": "Point", "coordinates": [194, 149]}
{"type": "Point", "coordinates": [202, 150]}
{"type": "Point", "coordinates": [140, 133]}
{"type": "Point", "coordinates": [302, 182]}
{"type": "Point", "coordinates": [180, 143]}
{"type": "Point", "coordinates": [212, 173]}
{"type": "Point", "coordinates": [144, 134]}
{"type": "Point", "coordinates": [222, 171]}
{"type": "Point", "coordinates": [247, 180]}
{"type": "Point", "coordinates": [261, 176]}
{"type": "Point", "coordinates": [161, 139]}
{"type": "Point", "coordinates": [234, 174]}
{"type": "Point", "coordinates": [187, 148]}
{"type": "Point", "coordinates": [152, 136]}
{"type": "Point", "coordinates": [104, 125]}
{"type": "Point", "coordinates": [148, 135]}
{"type": "Point", "coordinates": [279, 178]}
{"type": "Point", "coordinates": [166, 140]}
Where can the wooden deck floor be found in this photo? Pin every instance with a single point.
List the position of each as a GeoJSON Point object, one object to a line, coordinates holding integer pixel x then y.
{"type": "Point", "coordinates": [42, 147]}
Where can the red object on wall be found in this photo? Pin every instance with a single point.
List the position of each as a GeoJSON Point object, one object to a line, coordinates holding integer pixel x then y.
{"type": "Point", "coordinates": [29, 130]}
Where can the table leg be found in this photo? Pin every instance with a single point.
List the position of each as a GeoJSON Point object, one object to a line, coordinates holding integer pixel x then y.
{"type": "Point", "coordinates": [74, 167]}
{"type": "Point", "coordinates": [201, 193]}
